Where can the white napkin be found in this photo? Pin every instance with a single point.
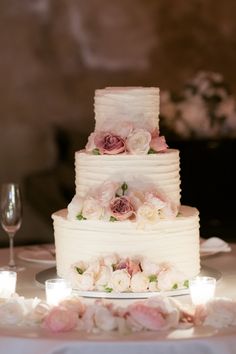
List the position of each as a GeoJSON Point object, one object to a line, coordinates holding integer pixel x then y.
{"type": "Point", "coordinates": [214, 245]}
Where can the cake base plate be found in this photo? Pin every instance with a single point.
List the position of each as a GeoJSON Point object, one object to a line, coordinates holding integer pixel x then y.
{"type": "Point", "coordinates": [50, 273]}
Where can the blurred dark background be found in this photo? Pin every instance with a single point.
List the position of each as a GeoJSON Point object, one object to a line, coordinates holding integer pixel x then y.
{"type": "Point", "coordinates": [55, 53]}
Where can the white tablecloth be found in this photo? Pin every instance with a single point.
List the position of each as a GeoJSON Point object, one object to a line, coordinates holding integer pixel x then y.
{"type": "Point", "coordinates": [195, 340]}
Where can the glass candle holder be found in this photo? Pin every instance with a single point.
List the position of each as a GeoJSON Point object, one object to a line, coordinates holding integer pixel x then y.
{"type": "Point", "coordinates": [7, 283]}
{"type": "Point", "coordinates": [202, 289]}
{"type": "Point", "coordinates": [57, 290]}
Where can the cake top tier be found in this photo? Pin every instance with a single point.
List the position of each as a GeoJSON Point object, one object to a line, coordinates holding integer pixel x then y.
{"type": "Point", "coordinates": [138, 106]}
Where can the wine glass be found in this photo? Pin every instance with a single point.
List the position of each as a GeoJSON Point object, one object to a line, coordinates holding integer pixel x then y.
{"type": "Point", "coordinates": [11, 216]}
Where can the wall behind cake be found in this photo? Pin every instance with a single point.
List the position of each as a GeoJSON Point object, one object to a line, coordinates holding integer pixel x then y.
{"type": "Point", "coordinates": [55, 53]}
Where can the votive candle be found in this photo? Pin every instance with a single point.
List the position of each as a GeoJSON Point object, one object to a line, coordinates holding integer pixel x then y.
{"type": "Point", "coordinates": [202, 289]}
{"type": "Point", "coordinates": [7, 283]}
{"type": "Point", "coordinates": [57, 290]}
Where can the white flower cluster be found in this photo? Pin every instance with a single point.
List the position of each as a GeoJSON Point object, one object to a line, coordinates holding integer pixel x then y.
{"type": "Point", "coordinates": [154, 314]}
{"type": "Point", "coordinates": [113, 201]}
{"type": "Point", "coordinates": [114, 274]}
{"type": "Point", "coordinates": [205, 108]}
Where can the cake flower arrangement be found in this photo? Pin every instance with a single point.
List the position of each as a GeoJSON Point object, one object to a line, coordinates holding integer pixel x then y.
{"type": "Point", "coordinates": [204, 109]}
{"type": "Point", "coordinates": [154, 314]}
{"type": "Point", "coordinates": [115, 274]}
{"type": "Point", "coordinates": [125, 139]}
{"type": "Point", "coordinates": [114, 201]}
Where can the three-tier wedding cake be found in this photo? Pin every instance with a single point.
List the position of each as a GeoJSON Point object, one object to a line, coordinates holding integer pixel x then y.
{"type": "Point", "coordinates": [125, 229]}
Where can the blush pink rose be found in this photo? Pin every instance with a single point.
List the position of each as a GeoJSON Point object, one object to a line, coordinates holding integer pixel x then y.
{"type": "Point", "coordinates": [149, 317]}
{"type": "Point", "coordinates": [131, 266]}
{"type": "Point", "coordinates": [60, 319]}
{"type": "Point", "coordinates": [121, 208]}
{"type": "Point", "coordinates": [109, 144]}
{"type": "Point", "coordinates": [158, 143]}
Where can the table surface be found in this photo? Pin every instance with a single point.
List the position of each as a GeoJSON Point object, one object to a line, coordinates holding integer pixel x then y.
{"type": "Point", "coordinates": [195, 340]}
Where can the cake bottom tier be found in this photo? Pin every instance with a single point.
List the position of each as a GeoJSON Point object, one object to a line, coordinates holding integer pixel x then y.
{"type": "Point", "coordinates": [174, 241]}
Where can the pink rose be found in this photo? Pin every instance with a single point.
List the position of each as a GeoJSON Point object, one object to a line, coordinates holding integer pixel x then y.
{"type": "Point", "coordinates": [121, 208]}
{"type": "Point", "coordinates": [109, 144]}
{"type": "Point", "coordinates": [158, 143]}
{"type": "Point", "coordinates": [149, 317]}
{"type": "Point", "coordinates": [131, 266]}
{"type": "Point", "coordinates": [74, 304]}
{"type": "Point", "coordinates": [60, 319]}
{"type": "Point", "coordinates": [155, 313]}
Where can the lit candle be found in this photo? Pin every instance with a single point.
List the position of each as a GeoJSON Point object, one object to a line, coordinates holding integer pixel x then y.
{"type": "Point", "coordinates": [7, 283]}
{"type": "Point", "coordinates": [57, 290]}
{"type": "Point", "coordinates": [202, 289]}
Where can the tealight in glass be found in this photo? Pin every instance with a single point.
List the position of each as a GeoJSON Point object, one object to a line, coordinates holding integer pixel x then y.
{"type": "Point", "coordinates": [202, 289]}
{"type": "Point", "coordinates": [57, 290]}
{"type": "Point", "coordinates": [7, 283]}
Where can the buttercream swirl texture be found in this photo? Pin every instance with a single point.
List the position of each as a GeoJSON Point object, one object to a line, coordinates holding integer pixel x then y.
{"type": "Point", "coordinates": [162, 170]}
{"type": "Point", "coordinates": [136, 105]}
{"type": "Point", "coordinates": [175, 241]}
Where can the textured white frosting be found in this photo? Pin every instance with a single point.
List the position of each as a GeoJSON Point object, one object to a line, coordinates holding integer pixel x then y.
{"type": "Point", "coordinates": [175, 241]}
{"type": "Point", "coordinates": [136, 105]}
{"type": "Point", "coordinates": [162, 170]}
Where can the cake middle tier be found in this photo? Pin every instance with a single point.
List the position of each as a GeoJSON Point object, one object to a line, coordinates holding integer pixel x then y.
{"type": "Point", "coordinates": [162, 170]}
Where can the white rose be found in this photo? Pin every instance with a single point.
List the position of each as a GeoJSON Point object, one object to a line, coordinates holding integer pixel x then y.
{"type": "Point", "coordinates": [138, 142]}
{"type": "Point", "coordinates": [148, 267]}
{"type": "Point", "coordinates": [104, 319]}
{"type": "Point", "coordinates": [147, 214]}
{"type": "Point", "coordinates": [84, 282]}
{"type": "Point", "coordinates": [103, 277]}
{"type": "Point", "coordinates": [169, 211]}
{"type": "Point", "coordinates": [120, 280]}
{"type": "Point", "coordinates": [94, 267]}
{"type": "Point", "coordinates": [221, 313]}
{"type": "Point", "coordinates": [91, 209]}
{"type": "Point", "coordinates": [74, 208]}
{"type": "Point", "coordinates": [106, 192]}
{"type": "Point", "coordinates": [139, 282]}
{"type": "Point", "coordinates": [90, 146]}
{"type": "Point", "coordinates": [11, 313]}
{"type": "Point", "coordinates": [110, 260]}
{"type": "Point", "coordinates": [169, 276]}
{"type": "Point", "coordinates": [154, 200]}
{"type": "Point", "coordinates": [37, 314]}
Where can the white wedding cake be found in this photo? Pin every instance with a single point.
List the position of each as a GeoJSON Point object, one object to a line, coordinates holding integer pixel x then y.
{"type": "Point", "coordinates": [125, 229]}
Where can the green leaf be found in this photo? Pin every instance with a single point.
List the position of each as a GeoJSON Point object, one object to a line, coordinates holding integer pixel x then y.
{"type": "Point", "coordinates": [79, 270]}
{"type": "Point", "coordinates": [186, 283]}
{"type": "Point", "coordinates": [108, 290]}
{"type": "Point", "coordinates": [175, 286]}
{"type": "Point", "coordinates": [112, 218]}
{"type": "Point", "coordinates": [96, 152]}
{"type": "Point", "coordinates": [152, 278]}
{"type": "Point", "coordinates": [151, 151]}
{"type": "Point", "coordinates": [124, 187]}
{"type": "Point", "coordinates": [80, 217]}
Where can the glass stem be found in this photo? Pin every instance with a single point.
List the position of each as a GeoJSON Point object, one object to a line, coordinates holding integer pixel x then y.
{"type": "Point", "coordinates": [11, 260]}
